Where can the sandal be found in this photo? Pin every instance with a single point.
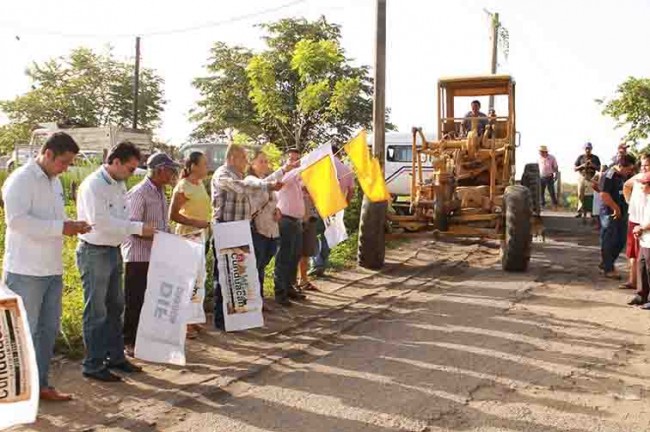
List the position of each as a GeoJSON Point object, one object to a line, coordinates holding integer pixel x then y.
{"type": "Point", "coordinates": [192, 333]}
{"type": "Point", "coordinates": [308, 286]}
{"type": "Point", "coordinates": [625, 286]}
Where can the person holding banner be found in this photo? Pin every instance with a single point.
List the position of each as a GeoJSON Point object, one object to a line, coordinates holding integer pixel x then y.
{"type": "Point", "coordinates": [190, 208]}
{"type": "Point", "coordinates": [231, 202]}
{"type": "Point", "coordinates": [33, 264]}
{"type": "Point", "coordinates": [265, 217]}
{"type": "Point", "coordinates": [345, 176]}
{"type": "Point", "coordinates": [101, 201]}
{"type": "Point", "coordinates": [146, 203]}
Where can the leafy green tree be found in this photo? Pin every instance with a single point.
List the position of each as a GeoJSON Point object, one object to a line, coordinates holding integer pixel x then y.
{"type": "Point", "coordinates": [630, 107]}
{"type": "Point", "coordinates": [83, 88]}
{"type": "Point", "coordinates": [300, 90]}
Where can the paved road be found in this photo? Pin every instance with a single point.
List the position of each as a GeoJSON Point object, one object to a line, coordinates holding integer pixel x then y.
{"type": "Point", "coordinates": [465, 349]}
{"type": "Point", "coordinates": [442, 340]}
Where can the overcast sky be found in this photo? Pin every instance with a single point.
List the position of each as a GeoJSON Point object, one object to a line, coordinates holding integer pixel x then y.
{"type": "Point", "coordinates": [563, 54]}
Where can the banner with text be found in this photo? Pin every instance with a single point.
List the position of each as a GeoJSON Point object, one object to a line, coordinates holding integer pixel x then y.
{"type": "Point", "coordinates": [173, 270]}
{"type": "Point", "coordinates": [242, 303]}
{"type": "Point", "coordinates": [18, 369]}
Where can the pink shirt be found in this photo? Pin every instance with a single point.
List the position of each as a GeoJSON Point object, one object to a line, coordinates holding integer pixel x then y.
{"type": "Point", "coordinates": [547, 166]}
{"type": "Point", "coordinates": [291, 201]}
{"type": "Point", "coordinates": [344, 174]}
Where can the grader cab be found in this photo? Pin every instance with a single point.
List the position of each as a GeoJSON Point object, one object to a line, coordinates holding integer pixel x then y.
{"type": "Point", "coordinates": [471, 189]}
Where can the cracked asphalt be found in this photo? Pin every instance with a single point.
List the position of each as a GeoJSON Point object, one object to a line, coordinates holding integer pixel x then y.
{"type": "Point", "coordinates": [441, 341]}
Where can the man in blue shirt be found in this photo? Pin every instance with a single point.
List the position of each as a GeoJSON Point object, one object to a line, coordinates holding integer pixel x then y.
{"type": "Point", "coordinates": [613, 213]}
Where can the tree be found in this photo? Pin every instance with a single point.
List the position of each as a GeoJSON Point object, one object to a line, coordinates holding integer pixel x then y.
{"type": "Point", "coordinates": [83, 89]}
{"type": "Point", "coordinates": [300, 90]}
{"type": "Point", "coordinates": [631, 107]}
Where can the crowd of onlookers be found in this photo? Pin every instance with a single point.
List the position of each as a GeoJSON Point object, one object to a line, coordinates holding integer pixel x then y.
{"type": "Point", "coordinates": [616, 198]}
{"type": "Point", "coordinates": [115, 230]}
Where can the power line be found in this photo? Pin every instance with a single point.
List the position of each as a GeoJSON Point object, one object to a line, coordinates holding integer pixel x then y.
{"type": "Point", "coordinates": [35, 31]}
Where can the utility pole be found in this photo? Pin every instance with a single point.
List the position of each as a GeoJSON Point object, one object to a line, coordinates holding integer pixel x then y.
{"type": "Point", "coordinates": [372, 244]}
{"type": "Point", "coordinates": [136, 82]}
{"type": "Point", "coordinates": [494, 20]}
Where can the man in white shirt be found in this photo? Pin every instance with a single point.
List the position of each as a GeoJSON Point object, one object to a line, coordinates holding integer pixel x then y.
{"type": "Point", "coordinates": [633, 193]}
{"type": "Point", "coordinates": [642, 232]}
{"type": "Point", "coordinates": [102, 202]}
{"type": "Point", "coordinates": [36, 224]}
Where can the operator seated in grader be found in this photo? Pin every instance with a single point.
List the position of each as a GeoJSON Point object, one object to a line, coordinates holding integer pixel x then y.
{"type": "Point", "coordinates": [475, 112]}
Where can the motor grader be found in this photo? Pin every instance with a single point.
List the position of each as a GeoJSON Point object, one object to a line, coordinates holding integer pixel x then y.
{"type": "Point", "coordinates": [471, 190]}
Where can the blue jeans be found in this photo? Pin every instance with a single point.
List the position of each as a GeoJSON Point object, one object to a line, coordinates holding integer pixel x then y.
{"type": "Point", "coordinates": [41, 296]}
{"type": "Point", "coordinates": [613, 233]}
{"type": "Point", "coordinates": [288, 257]}
{"type": "Point", "coordinates": [265, 248]}
{"type": "Point", "coordinates": [101, 277]}
{"type": "Point", "coordinates": [320, 260]}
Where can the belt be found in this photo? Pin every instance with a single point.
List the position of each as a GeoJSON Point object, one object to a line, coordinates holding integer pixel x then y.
{"type": "Point", "coordinates": [98, 246]}
{"type": "Point", "coordinates": [291, 218]}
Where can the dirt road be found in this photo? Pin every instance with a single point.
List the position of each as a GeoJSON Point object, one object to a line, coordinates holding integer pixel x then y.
{"type": "Point", "coordinates": [442, 340]}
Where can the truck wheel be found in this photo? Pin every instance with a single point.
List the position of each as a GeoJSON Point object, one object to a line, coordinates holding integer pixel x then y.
{"type": "Point", "coordinates": [372, 243]}
{"type": "Point", "coordinates": [531, 179]}
{"type": "Point", "coordinates": [516, 247]}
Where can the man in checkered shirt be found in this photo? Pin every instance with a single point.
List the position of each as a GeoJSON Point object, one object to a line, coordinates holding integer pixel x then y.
{"type": "Point", "coordinates": [230, 203]}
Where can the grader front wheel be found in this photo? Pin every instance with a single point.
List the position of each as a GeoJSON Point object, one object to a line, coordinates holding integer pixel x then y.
{"type": "Point", "coordinates": [516, 247]}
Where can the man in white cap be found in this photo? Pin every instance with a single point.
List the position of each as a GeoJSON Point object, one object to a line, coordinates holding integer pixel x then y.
{"type": "Point", "coordinates": [587, 165]}
{"type": "Point", "coordinates": [548, 172]}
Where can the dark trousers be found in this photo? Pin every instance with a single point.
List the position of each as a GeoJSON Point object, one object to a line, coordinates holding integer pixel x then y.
{"type": "Point", "coordinates": [288, 257]}
{"type": "Point", "coordinates": [135, 285]}
{"type": "Point", "coordinates": [548, 183]}
{"type": "Point", "coordinates": [265, 249]}
{"type": "Point", "coordinates": [643, 272]}
{"type": "Point", "coordinates": [612, 239]}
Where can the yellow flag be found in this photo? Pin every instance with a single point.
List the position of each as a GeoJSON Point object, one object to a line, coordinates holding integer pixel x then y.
{"type": "Point", "coordinates": [369, 174]}
{"type": "Point", "coordinates": [323, 187]}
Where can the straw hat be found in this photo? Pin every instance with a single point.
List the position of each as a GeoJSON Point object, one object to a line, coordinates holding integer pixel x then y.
{"type": "Point", "coordinates": [543, 148]}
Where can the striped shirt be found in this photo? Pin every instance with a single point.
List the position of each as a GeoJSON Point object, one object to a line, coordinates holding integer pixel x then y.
{"type": "Point", "coordinates": [145, 202]}
{"type": "Point", "coordinates": [231, 193]}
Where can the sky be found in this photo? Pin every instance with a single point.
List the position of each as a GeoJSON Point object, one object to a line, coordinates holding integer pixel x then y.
{"type": "Point", "coordinates": [563, 54]}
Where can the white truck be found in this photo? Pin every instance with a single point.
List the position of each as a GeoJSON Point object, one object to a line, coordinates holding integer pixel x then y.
{"type": "Point", "coordinates": [94, 142]}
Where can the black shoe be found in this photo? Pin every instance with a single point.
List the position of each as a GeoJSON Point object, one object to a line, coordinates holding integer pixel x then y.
{"type": "Point", "coordinates": [103, 375]}
{"type": "Point", "coordinates": [296, 295]}
{"type": "Point", "coordinates": [284, 302]}
{"type": "Point", "coordinates": [637, 301]}
{"type": "Point", "coordinates": [126, 366]}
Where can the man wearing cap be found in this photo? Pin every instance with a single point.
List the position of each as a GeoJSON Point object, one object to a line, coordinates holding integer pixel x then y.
{"type": "Point", "coordinates": [548, 172]}
{"type": "Point", "coordinates": [101, 201]}
{"type": "Point", "coordinates": [587, 165]}
{"type": "Point", "coordinates": [613, 214]}
{"type": "Point", "coordinates": [146, 203]}
{"type": "Point", "coordinates": [642, 232]}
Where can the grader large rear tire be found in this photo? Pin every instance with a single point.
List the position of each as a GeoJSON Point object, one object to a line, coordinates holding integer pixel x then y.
{"type": "Point", "coordinates": [372, 236]}
{"type": "Point", "coordinates": [532, 180]}
{"type": "Point", "coordinates": [516, 248]}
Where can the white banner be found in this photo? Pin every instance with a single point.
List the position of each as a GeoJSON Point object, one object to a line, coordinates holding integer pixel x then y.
{"type": "Point", "coordinates": [240, 287]}
{"type": "Point", "coordinates": [335, 232]}
{"type": "Point", "coordinates": [173, 270]}
{"type": "Point", "coordinates": [196, 311]}
{"type": "Point", "coordinates": [19, 390]}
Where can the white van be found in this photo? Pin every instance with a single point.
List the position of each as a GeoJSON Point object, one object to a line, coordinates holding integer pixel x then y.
{"type": "Point", "coordinates": [398, 163]}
